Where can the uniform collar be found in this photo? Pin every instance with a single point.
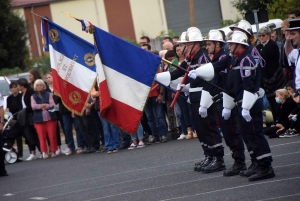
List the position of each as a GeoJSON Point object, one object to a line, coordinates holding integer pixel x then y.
{"type": "Point", "coordinates": [218, 54]}
{"type": "Point", "coordinates": [239, 53]}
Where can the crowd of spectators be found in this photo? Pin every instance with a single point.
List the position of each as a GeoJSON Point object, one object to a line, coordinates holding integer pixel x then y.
{"type": "Point", "coordinates": [44, 119]}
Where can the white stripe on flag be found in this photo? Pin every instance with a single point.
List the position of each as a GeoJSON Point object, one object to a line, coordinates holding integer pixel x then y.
{"type": "Point", "coordinates": [81, 77]}
{"type": "Point", "coordinates": [126, 89]}
{"type": "Point", "coordinates": [99, 69]}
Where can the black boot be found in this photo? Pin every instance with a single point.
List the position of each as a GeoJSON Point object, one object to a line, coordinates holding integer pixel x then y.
{"type": "Point", "coordinates": [238, 166]}
{"type": "Point", "coordinates": [199, 163]}
{"type": "Point", "coordinates": [262, 173]}
{"type": "Point", "coordinates": [205, 163]}
{"type": "Point", "coordinates": [250, 171]}
{"type": "Point", "coordinates": [217, 164]}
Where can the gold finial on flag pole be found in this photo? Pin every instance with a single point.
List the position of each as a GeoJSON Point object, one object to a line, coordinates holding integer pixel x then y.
{"type": "Point", "coordinates": [68, 14]}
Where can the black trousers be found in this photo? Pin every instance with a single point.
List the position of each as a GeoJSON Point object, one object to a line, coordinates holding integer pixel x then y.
{"type": "Point", "coordinates": [252, 132]}
{"type": "Point", "coordinates": [207, 130]}
{"type": "Point", "coordinates": [34, 142]}
{"type": "Point", "coordinates": [230, 130]}
{"type": "Point", "coordinates": [271, 131]}
{"type": "Point", "coordinates": [2, 164]}
{"type": "Point", "coordinates": [88, 128]}
{"type": "Point", "coordinates": [145, 124]}
{"type": "Point", "coordinates": [274, 106]}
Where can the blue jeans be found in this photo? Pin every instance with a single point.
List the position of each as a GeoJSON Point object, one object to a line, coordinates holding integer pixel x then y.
{"type": "Point", "coordinates": [68, 121]}
{"type": "Point", "coordinates": [153, 107]}
{"type": "Point", "coordinates": [139, 133]}
{"type": "Point", "coordinates": [181, 118]}
{"type": "Point", "coordinates": [192, 116]}
{"type": "Point", "coordinates": [111, 135]}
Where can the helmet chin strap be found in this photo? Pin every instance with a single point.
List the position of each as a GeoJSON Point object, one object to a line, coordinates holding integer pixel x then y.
{"type": "Point", "coordinates": [214, 48]}
{"type": "Point", "coordinates": [234, 49]}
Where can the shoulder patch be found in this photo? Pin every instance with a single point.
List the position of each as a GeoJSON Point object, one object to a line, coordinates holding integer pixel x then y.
{"type": "Point", "coordinates": [247, 73]}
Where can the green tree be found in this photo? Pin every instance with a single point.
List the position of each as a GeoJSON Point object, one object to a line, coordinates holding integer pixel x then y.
{"type": "Point", "coordinates": [170, 33]}
{"type": "Point", "coordinates": [276, 8]}
{"type": "Point", "coordinates": [13, 37]}
{"type": "Point", "coordinates": [281, 8]}
{"type": "Point", "coordinates": [248, 5]}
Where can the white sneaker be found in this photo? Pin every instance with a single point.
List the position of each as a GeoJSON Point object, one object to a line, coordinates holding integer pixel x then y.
{"type": "Point", "coordinates": [132, 146]}
{"type": "Point", "coordinates": [66, 150]}
{"type": "Point", "coordinates": [58, 152]}
{"type": "Point", "coordinates": [182, 137]}
{"type": "Point", "coordinates": [141, 145]}
{"type": "Point", "coordinates": [31, 157]}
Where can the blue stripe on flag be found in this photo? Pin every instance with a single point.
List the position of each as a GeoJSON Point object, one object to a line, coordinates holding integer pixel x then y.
{"type": "Point", "coordinates": [126, 58]}
{"type": "Point", "coordinates": [70, 45]}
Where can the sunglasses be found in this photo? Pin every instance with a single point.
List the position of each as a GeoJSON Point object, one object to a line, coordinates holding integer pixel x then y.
{"type": "Point", "coordinates": [261, 35]}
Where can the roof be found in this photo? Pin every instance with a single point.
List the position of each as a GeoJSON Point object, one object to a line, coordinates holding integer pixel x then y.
{"type": "Point", "coordinates": [27, 3]}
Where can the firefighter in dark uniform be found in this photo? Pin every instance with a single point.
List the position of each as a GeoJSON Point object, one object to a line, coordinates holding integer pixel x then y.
{"type": "Point", "coordinates": [245, 27]}
{"type": "Point", "coordinates": [243, 78]}
{"type": "Point", "coordinates": [228, 123]}
{"type": "Point", "coordinates": [207, 130]}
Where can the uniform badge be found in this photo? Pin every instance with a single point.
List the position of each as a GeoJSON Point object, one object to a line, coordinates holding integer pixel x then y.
{"type": "Point", "coordinates": [89, 59]}
{"type": "Point", "coordinates": [187, 37]}
{"type": "Point", "coordinates": [75, 97]}
{"type": "Point", "coordinates": [247, 73]}
{"type": "Point", "coordinates": [54, 36]}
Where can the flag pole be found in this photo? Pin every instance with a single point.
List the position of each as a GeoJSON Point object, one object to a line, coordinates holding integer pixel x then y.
{"type": "Point", "coordinates": [39, 16]}
{"type": "Point", "coordinates": [221, 89]}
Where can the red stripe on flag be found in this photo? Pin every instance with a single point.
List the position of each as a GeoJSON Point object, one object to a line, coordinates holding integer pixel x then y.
{"type": "Point", "coordinates": [72, 97]}
{"type": "Point", "coordinates": [104, 97]}
{"type": "Point", "coordinates": [124, 116]}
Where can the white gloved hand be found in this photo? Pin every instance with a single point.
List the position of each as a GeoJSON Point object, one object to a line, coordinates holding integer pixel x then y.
{"type": "Point", "coordinates": [226, 113]}
{"type": "Point", "coordinates": [193, 74]}
{"type": "Point", "coordinates": [182, 87]}
{"type": "Point", "coordinates": [246, 115]}
{"type": "Point", "coordinates": [203, 111]}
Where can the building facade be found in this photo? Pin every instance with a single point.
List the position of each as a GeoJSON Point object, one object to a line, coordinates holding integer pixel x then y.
{"type": "Point", "coordinates": [129, 19]}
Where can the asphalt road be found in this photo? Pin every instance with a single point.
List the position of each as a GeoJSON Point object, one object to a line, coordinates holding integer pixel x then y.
{"type": "Point", "coordinates": [156, 172]}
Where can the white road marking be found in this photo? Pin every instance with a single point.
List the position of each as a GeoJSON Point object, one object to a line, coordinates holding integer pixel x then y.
{"type": "Point", "coordinates": [38, 198]}
{"type": "Point", "coordinates": [236, 187]}
{"type": "Point", "coordinates": [131, 171]}
{"type": "Point", "coordinates": [175, 184]}
{"type": "Point", "coordinates": [274, 198]}
{"type": "Point", "coordinates": [9, 194]}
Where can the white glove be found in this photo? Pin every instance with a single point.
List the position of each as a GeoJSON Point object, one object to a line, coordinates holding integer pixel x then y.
{"type": "Point", "coordinates": [226, 113]}
{"type": "Point", "coordinates": [193, 74]}
{"type": "Point", "coordinates": [203, 111]}
{"type": "Point", "coordinates": [246, 115]}
{"type": "Point", "coordinates": [182, 87]}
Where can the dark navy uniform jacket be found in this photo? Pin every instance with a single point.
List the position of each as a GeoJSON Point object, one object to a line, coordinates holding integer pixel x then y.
{"type": "Point", "coordinates": [242, 74]}
{"type": "Point", "coordinates": [218, 78]}
{"type": "Point", "coordinates": [199, 58]}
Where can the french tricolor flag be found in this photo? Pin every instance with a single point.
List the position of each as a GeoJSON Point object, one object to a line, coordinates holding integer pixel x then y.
{"type": "Point", "coordinates": [73, 67]}
{"type": "Point", "coordinates": [126, 73]}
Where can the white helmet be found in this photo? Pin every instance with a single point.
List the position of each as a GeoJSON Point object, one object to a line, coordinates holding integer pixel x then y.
{"type": "Point", "coordinates": [193, 35]}
{"type": "Point", "coordinates": [243, 25]}
{"type": "Point", "coordinates": [215, 35]}
{"type": "Point", "coordinates": [182, 38]}
{"type": "Point", "coordinates": [239, 37]}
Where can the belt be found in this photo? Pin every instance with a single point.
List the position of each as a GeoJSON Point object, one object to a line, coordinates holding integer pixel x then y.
{"type": "Point", "coordinates": [196, 89]}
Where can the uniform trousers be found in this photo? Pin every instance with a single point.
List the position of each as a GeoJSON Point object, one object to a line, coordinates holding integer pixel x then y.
{"type": "Point", "coordinates": [252, 132]}
{"type": "Point", "coordinates": [207, 130]}
{"type": "Point", "coordinates": [232, 137]}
